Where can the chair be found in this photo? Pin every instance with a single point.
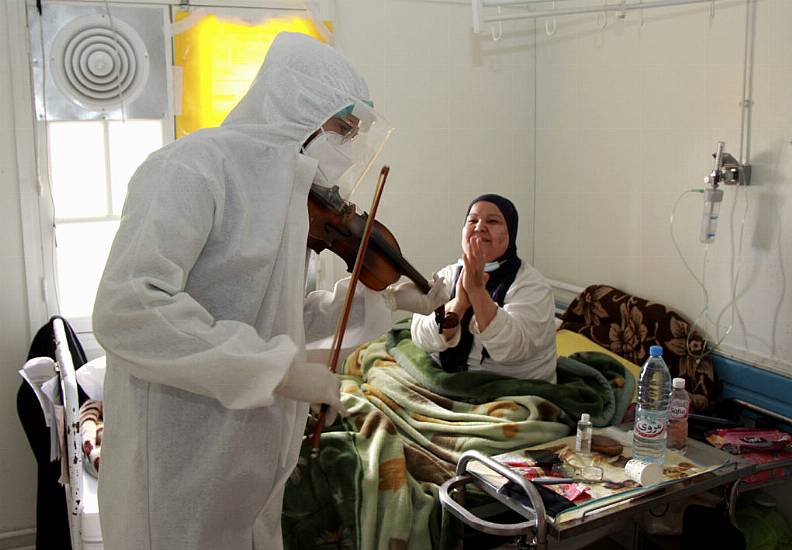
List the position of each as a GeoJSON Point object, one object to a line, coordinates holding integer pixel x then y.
{"type": "Point", "coordinates": [81, 496]}
{"type": "Point", "coordinates": [51, 519]}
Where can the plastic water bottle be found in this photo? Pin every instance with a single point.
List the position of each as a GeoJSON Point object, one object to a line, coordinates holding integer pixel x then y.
{"type": "Point", "coordinates": [678, 410]}
{"type": "Point", "coordinates": [651, 414]}
{"type": "Point", "coordinates": [583, 437]}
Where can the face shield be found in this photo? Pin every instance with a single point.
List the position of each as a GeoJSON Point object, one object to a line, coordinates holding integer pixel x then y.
{"type": "Point", "coordinates": [347, 145]}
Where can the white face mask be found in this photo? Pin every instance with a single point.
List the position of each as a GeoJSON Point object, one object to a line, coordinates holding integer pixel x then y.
{"type": "Point", "coordinates": [335, 156]}
{"type": "Point", "coordinates": [489, 267]}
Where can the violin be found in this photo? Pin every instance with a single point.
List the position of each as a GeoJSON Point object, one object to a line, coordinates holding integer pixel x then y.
{"type": "Point", "coordinates": [336, 225]}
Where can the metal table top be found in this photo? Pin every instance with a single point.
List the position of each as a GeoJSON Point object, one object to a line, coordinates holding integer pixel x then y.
{"type": "Point", "coordinates": [612, 514]}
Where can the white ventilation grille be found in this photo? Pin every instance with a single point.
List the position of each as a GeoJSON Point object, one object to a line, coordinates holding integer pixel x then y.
{"type": "Point", "coordinates": [99, 65]}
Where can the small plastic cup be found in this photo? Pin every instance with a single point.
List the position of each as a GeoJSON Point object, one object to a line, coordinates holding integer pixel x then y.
{"type": "Point", "coordinates": [643, 473]}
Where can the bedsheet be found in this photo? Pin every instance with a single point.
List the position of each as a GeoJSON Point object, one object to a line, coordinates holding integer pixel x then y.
{"type": "Point", "coordinates": [375, 482]}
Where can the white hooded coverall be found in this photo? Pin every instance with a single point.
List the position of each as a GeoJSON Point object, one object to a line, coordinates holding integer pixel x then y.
{"type": "Point", "coordinates": [201, 310]}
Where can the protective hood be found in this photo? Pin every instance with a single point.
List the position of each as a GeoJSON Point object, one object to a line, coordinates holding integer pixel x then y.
{"type": "Point", "coordinates": [326, 84]}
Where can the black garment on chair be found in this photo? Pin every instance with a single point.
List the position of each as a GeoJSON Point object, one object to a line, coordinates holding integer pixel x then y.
{"type": "Point", "coordinates": [52, 520]}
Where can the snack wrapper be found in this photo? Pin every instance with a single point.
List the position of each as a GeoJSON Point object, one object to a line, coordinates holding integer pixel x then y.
{"type": "Point", "coordinates": [748, 440]}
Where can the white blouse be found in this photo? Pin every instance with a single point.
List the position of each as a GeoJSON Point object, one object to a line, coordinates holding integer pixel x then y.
{"type": "Point", "coordinates": [520, 340]}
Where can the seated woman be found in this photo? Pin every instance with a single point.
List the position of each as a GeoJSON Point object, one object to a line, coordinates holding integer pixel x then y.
{"type": "Point", "coordinates": [505, 306]}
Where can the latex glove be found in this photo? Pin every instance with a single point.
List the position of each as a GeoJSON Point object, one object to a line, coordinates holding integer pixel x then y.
{"type": "Point", "coordinates": [331, 414]}
{"type": "Point", "coordinates": [407, 296]}
{"type": "Point", "coordinates": [313, 383]}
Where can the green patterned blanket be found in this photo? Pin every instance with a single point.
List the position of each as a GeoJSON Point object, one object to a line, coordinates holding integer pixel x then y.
{"type": "Point", "coordinates": [375, 482]}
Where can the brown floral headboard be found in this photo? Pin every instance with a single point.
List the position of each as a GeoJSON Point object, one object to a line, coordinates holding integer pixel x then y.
{"type": "Point", "coordinates": [628, 325]}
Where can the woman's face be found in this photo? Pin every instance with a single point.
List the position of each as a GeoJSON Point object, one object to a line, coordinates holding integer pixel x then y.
{"type": "Point", "coordinates": [486, 223]}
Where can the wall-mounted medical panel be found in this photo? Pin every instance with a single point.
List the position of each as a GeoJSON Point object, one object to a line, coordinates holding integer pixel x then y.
{"type": "Point", "coordinates": [99, 62]}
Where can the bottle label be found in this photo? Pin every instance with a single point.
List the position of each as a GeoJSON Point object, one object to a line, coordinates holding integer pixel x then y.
{"type": "Point", "coordinates": [678, 410]}
{"type": "Point", "coordinates": [650, 426]}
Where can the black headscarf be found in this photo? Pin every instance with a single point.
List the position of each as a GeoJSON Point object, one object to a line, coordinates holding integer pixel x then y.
{"type": "Point", "coordinates": [455, 359]}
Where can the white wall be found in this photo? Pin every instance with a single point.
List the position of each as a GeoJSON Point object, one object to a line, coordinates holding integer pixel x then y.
{"type": "Point", "coordinates": [629, 117]}
{"type": "Point", "coordinates": [594, 134]}
{"type": "Point", "coordinates": [17, 465]}
{"type": "Point", "coordinates": [463, 112]}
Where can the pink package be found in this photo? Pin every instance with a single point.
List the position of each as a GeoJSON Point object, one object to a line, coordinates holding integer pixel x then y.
{"type": "Point", "coordinates": [576, 492]}
{"type": "Point", "coordinates": [747, 440]}
{"type": "Point", "coordinates": [768, 458]}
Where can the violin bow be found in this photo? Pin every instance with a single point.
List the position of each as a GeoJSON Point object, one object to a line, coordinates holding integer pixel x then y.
{"type": "Point", "coordinates": [342, 320]}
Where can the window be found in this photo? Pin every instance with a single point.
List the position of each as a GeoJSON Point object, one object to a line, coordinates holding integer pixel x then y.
{"type": "Point", "coordinates": [90, 165]}
{"type": "Point", "coordinates": [86, 159]}
{"type": "Point", "coordinates": [218, 53]}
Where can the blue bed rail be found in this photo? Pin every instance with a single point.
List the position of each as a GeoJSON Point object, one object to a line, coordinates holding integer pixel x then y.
{"type": "Point", "coordinates": [749, 384]}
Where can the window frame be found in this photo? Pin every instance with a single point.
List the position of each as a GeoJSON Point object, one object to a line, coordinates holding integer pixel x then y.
{"type": "Point", "coordinates": [39, 219]}
{"type": "Point", "coordinates": [82, 324]}
{"type": "Point", "coordinates": [35, 192]}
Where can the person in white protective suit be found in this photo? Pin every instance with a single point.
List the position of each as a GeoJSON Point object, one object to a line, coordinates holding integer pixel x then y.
{"type": "Point", "coordinates": [203, 315]}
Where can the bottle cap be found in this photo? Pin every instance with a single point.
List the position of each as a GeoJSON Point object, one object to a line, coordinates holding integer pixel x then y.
{"type": "Point", "coordinates": [656, 351]}
{"type": "Point", "coordinates": [642, 472]}
{"type": "Point", "coordinates": [585, 417]}
{"type": "Point", "coordinates": [678, 383]}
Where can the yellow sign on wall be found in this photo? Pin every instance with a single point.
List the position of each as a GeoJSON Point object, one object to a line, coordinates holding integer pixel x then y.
{"type": "Point", "coordinates": [219, 58]}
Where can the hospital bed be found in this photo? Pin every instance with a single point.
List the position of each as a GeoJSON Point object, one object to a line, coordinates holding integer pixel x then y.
{"type": "Point", "coordinates": [382, 456]}
{"type": "Point", "coordinates": [315, 487]}
{"type": "Point", "coordinates": [81, 495]}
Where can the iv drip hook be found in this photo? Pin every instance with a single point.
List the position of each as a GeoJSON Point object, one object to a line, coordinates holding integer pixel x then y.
{"type": "Point", "coordinates": [603, 22]}
{"type": "Point", "coordinates": [550, 29]}
{"type": "Point", "coordinates": [496, 37]}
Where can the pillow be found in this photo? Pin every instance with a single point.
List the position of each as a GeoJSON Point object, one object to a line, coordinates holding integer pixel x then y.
{"type": "Point", "coordinates": [628, 325]}
{"type": "Point", "coordinates": [568, 342]}
{"type": "Point", "coordinates": [91, 430]}
{"type": "Point", "coordinates": [90, 377]}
